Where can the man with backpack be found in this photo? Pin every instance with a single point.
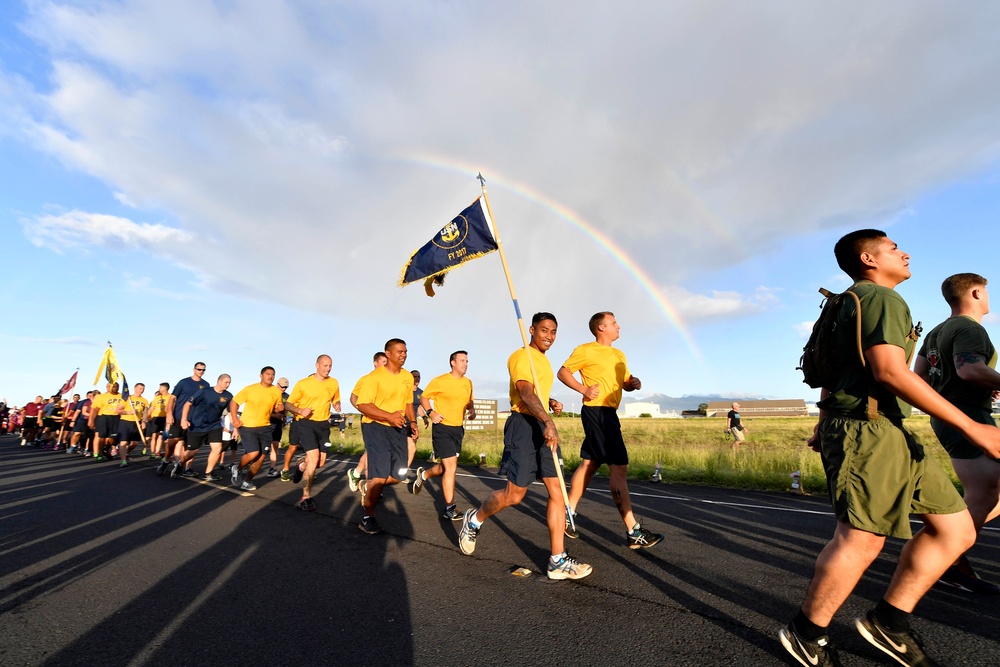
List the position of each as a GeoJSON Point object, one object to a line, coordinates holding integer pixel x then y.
{"type": "Point", "coordinates": [877, 473]}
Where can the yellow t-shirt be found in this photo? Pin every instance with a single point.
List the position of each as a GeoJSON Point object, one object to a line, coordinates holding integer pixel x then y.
{"type": "Point", "coordinates": [312, 393]}
{"type": "Point", "coordinates": [519, 369]}
{"type": "Point", "coordinates": [386, 391]}
{"type": "Point", "coordinates": [140, 404]}
{"type": "Point", "coordinates": [159, 405]}
{"type": "Point", "coordinates": [450, 395]}
{"type": "Point", "coordinates": [604, 366]}
{"type": "Point", "coordinates": [106, 404]}
{"type": "Point", "coordinates": [258, 403]}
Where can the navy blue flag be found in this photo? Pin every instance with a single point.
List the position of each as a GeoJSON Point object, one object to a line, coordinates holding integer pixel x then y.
{"type": "Point", "coordinates": [465, 238]}
{"type": "Point", "coordinates": [124, 387]}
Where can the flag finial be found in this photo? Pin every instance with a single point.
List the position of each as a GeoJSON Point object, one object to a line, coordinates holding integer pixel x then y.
{"type": "Point", "coordinates": [482, 181]}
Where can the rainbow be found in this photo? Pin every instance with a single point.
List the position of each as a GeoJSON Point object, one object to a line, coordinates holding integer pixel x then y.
{"type": "Point", "coordinates": [574, 219]}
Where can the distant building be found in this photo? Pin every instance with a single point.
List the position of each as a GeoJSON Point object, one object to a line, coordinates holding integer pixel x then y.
{"type": "Point", "coordinates": [793, 407]}
{"type": "Point", "coordinates": [628, 410]}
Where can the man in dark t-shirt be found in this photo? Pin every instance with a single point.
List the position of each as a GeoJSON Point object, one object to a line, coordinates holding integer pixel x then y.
{"type": "Point", "coordinates": [958, 360]}
{"type": "Point", "coordinates": [201, 418]}
{"type": "Point", "coordinates": [183, 391]}
{"type": "Point", "coordinates": [735, 426]}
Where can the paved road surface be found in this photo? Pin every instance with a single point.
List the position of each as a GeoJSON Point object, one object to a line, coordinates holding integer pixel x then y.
{"type": "Point", "coordinates": [102, 566]}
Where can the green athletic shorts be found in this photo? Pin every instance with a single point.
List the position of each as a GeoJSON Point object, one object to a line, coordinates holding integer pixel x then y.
{"type": "Point", "coordinates": [954, 442]}
{"type": "Point", "coordinates": [877, 475]}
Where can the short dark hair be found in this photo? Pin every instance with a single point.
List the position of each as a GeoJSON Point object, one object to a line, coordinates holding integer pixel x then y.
{"type": "Point", "coordinates": [266, 369]}
{"type": "Point", "coordinates": [597, 319]}
{"type": "Point", "coordinates": [541, 317]}
{"type": "Point", "coordinates": [200, 363]}
{"type": "Point", "coordinates": [954, 287]}
{"type": "Point", "coordinates": [849, 248]}
{"type": "Point", "coordinates": [377, 356]}
{"type": "Point", "coordinates": [454, 354]}
{"type": "Point", "coordinates": [140, 384]}
{"type": "Point", "coordinates": [394, 341]}
{"type": "Point", "coordinates": [165, 384]}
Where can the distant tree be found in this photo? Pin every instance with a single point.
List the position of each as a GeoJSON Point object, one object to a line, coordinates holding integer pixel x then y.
{"type": "Point", "coordinates": [645, 415]}
{"type": "Point", "coordinates": [703, 409]}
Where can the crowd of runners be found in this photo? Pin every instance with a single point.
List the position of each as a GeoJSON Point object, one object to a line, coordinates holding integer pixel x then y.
{"type": "Point", "coordinates": [244, 431]}
{"type": "Point", "coordinates": [877, 472]}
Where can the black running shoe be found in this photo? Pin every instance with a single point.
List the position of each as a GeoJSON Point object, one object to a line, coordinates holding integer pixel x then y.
{"type": "Point", "coordinates": [640, 538]}
{"type": "Point", "coordinates": [964, 578]}
{"type": "Point", "coordinates": [162, 468]}
{"type": "Point", "coordinates": [369, 525]}
{"type": "Point", "coordinates": [175, 472]}
{"type": "Point", "coordinates": [904, 647]}
{"type": "Point", "coordinates": [307, 505]}
{"type": "Point", "coordinates": [212, 477]}
{"type": "Point", "coordinates": [297, 475]}
{"type": "Point", "coordinates": [809, 654]}
{"type": "Point", "coordinates": [453, 514]}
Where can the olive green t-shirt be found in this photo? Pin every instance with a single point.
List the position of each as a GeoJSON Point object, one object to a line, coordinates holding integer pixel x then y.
{"type": "Point", "coordinates": [885, 319]}
{"type": "Point", "coordinates": [955, 336]}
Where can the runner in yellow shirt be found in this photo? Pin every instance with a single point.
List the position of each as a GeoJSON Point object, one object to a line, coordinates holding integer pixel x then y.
{"type": "Point", "coordinates": [312, 397]}
{"type": "Point", "coordinates": [354, 474]}
{"type": "Point", "coordinates": [385, 399]}
{"type": "Point", "coordinates": [104, 421]}
{"type": "Point", "coordinates": [260, 401]}
{"type": "Point", "coordinates": [451, 395]}
{"type": "Point", "coordinates": [131, 411]}
{"type": "Point", "coordinates": [605, 374]}
{"type": "Point", "coordinates": [156, 419]}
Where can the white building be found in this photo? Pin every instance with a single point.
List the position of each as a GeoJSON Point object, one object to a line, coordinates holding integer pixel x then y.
{"type": "Point", "coordinates": [635, 409]}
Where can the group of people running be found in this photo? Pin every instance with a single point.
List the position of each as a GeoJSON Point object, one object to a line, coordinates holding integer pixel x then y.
{"type": "Point", "coordinates": [174, 425]}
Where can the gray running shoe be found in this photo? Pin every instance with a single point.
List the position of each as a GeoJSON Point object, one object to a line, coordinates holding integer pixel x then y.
{"type": "Point", "coordinates": [452, 513]}
{"type": "Point", "coordinates": [212, 477]}
{"type": "Point", "coordinates": [175, 472]}
{"type": "Point", "coordinates": [370, 525]}
{"type": "Point", "coordinates": [418, 483]}
{"type": "Point", "coordinates": [248, 486]}
{"type": "Point", "coordinates": [272, 472]}
{"type": "Point", "coordinates": [162, 468]}
{"type": "Point", "coordinates": [904, 647]}
{"type": "Point", "coordinates": [810, 654]}
{"type": "Point", "coordinates": [467, 536]}
{"type": "Point", "coordinates": [568, 568]}
{"type": "Point", "coordinates": [235, 474]}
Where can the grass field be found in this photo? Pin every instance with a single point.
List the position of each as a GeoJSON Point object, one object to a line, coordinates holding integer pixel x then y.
{"type": "Point", "coordinates": [694, 451]}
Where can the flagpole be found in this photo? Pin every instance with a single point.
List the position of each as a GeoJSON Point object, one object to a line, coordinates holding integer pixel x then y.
{"type": "Point", "coordinates": [526, 342]}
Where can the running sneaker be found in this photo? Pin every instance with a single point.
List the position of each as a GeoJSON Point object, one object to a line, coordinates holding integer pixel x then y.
{"type": "Point", "coordinates": [212, 477]}
{"type": "Point", "coordinates": [114, 452]}
{"type": "Point", "coordinates": [87, 454]}
{"type": "Point", "coordinates": [99, 458]}
{"type": "Point", "coordinates": [71, 450]}
{"type": "Point", "coordinates": [248, 486]}
{"type": "Point", "coordinates": [640, 538]}
{"type": "Point", "coordinates": [286, 476]}
{"type": "Point", "coordinates": [467, 535]}
{"type": "Point", "coordinates": [570, 529]}
{"type": "Point", "coordinates": [189, 473]}
{"type": "Point", "coordinates": [810, 654]}
{"type": "Point", "coordinates": [234, 473]}
{"type": "Point", "coordinates": [175, 472]}
{"type": "Point", "coordinates": [452, 514]}
{"type": "Point", "coordinates": [418, 483]}
{"type": "Point", "coordinates": [307, 505]}
{"type": "Point", "coordinates": [297, 474]}
{"type": "Point", "coordinates": [369, 525]}
{"type": "Point", "coordinates": [153, 457]}
{"type": "Point", "coordinates": [123, 464]}
{"type": "Point", "coordinates": [568, 568]}
{"type": "Point", "coordinates": [904, 647]}
{"type": "Point", "coordinates": [353, 479]}
{"type": "Point", "coordinates": [963, 577]}
{"type": "Point", "coordinates": [272, 472]}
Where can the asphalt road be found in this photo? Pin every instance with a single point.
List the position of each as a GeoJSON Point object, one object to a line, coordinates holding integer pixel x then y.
{"type": "Point", "coordinates": [104, 566]}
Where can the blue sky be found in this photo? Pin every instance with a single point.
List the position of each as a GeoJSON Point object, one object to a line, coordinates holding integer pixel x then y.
{"type": "Point", "coordinates": [240, 183]}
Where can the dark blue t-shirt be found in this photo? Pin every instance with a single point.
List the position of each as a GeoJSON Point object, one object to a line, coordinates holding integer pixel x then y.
{"type": "Point", "coordinates": [207, 408]}
{"type": "Point", "coordinates": [183, 391]}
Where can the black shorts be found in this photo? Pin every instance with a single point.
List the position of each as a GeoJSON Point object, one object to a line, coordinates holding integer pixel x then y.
{"type": "Point", "coordinates": [175, 432]}
{"type": "Point", "coordinates": [128, 431]}
{"type": "Point", "coordinates": [277, 429]}
{"type": "Point", "coordinates": [155, 425]}
{"type": "Point", "coordinates": [255, 438]}
{"type": "Point", "coordinates": [106, 426]}
{"type": "Point", "coordinates": [293, 433]}
{"type": "Point", "coordinates": [81, 426]}
{"type": "Point", "coordinates": [526, 458]}
{"type": "Point", "coordinates": [447, 440]}
{"type": "Point", "coordinates": [602, 436]}
{"type": "Point", "coordinates": [30, 422]}
{"type": "Point", "coordinates": [50, 423]}
{"type": "Point", "coordinates": [313, 434]}
{"type": "Point", "coordinates": [386, 449]}
{"type": "Point", "coordinates": [195, 440]}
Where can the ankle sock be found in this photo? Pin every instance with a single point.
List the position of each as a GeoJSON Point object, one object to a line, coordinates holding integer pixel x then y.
{"type": "Point", "coordinates": [807, 629]}
{"type": "Point", "coordinates": [891, 618]}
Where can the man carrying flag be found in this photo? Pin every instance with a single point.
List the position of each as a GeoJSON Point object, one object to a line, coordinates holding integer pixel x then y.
{"type": "Point", "coordinates": [104, 420]}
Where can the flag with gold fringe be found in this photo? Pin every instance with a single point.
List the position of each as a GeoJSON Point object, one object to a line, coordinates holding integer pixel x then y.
{"type": "Point", "coordinates": [109, 367]}
{"type": "Point", "coordinates": [465, 238]}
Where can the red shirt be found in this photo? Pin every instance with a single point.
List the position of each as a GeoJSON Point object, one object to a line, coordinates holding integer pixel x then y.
{"type": "Point", "coordinates": [32, 409]}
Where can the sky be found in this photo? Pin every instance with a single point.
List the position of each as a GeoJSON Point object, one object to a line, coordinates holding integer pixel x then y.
{"type": "Point", "coordinates": [241, 182]}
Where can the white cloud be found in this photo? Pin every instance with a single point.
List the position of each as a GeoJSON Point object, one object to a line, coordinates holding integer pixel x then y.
{"type": "Point", "coordinates": [804, 329]}
{"type": "Point", "coordinates": [717, 304]}
{"type": "Point", "coordinates": [76, 229]}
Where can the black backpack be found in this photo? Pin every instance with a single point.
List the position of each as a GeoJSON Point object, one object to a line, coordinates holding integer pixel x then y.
{"type": "Point", "coordinates": [822, 364]}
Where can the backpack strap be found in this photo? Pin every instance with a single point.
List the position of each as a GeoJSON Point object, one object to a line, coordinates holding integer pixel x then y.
{"type": "Point", "coordinates": [871, 412]}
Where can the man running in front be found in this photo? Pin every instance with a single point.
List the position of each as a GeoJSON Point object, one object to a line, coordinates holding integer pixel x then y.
{"type": "Point", "coordinates": [260, 401]}
{"type": "Point", "coordinates": [605, 374]}
{"type": "Point", "coordinates": [877, 473]}
{"type": "Point", "coordinates": [530, 445]}
{"type": "Point", "coordinates": [201, 419]}
{"type": "Point", "coordinates": [310, 400]}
